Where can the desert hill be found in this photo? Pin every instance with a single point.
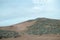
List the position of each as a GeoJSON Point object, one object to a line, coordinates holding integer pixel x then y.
{"type": "Point", "coordinates": [34, 24]}
{"type": "Point", "coordinates": [44, 26]}
{"type": "Point", "coordinates": [36, 29]}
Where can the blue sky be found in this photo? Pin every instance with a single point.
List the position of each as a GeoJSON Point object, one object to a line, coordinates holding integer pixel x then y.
{"type": "Point", "coordinates": [15, 11]}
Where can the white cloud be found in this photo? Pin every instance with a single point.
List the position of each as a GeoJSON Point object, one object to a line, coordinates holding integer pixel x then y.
{"type": "Point", "coordinates": [39, 4]}
{"type": "Point", "coordinates": [47, 5]}
{"type": "Point", "coordinates": [39, 1]}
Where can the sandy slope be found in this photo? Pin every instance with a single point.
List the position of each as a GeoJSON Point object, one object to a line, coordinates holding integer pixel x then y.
{"type": "Point", "coordinates": [18, 27]}
{"type": "Point", "coordinates": [35, 37]}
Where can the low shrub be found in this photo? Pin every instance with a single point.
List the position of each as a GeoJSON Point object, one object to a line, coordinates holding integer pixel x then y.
{"type": "Point", "coordinates": [8, 34]}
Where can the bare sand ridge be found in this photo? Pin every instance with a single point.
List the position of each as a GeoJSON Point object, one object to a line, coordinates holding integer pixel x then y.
{"type": "Point", "coordinates": [18, 27]}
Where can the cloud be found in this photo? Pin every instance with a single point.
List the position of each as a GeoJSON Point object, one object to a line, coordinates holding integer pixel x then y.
{"type": "Point", "coordinates": [39, 4]}
{"type": "Point", "coordinates": [45, 5]}
{"type": "Point", "coordinates": [39, 1]}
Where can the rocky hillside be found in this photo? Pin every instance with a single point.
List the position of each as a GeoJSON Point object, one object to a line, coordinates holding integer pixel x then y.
{"type": "Point", "coordinates": [44, 26]}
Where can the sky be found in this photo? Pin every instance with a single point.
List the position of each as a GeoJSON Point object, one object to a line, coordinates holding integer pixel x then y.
{"type": "Point", "coordinates": [16, 11]}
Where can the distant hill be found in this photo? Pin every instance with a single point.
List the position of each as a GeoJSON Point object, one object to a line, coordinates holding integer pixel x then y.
{"type": "Point", "coordinates": [33, 30]}
{"type": "Point", "coordinates": [44, 26]}
{"type": "Point", "coordinates": [38, 25]}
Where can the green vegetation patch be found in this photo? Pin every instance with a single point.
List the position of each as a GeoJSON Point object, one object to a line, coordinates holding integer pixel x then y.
{"type": "Point", "coordinates": [8, 34]}
{"type": "Point", "coordinates": [47, 26]}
